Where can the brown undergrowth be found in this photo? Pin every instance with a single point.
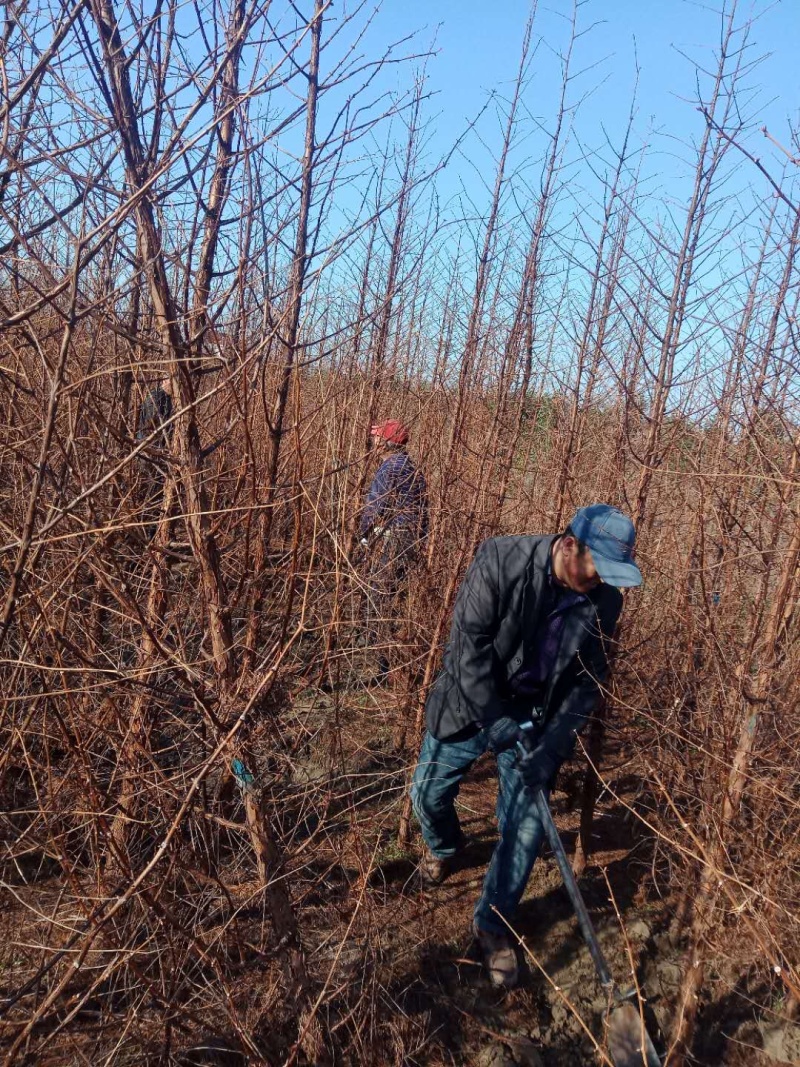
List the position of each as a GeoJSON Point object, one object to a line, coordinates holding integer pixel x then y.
{"type": "Point", "coordinates": [206, 850]}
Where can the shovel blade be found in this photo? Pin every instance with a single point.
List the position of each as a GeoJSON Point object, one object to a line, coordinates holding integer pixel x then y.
{"type": "Point", "coordinates": [628, 1041]}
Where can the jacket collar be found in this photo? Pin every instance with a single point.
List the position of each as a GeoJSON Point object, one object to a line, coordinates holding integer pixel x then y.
{"type": "Point", "coordinates": [579, 617]}
{"type": "Point", "coordinates": [534, 587]}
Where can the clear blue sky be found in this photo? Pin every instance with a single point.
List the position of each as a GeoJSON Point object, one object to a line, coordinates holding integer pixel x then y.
{"type": "Point", "coordinates": [478, 44]}
{"type": "Point", "coordinates": [477, 48]}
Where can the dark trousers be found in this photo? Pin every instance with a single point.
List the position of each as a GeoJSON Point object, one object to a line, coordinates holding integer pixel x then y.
{"type": "Point", "coordinates": [150, 483]}
{"type": "Point", "coordinates": [387, 585]}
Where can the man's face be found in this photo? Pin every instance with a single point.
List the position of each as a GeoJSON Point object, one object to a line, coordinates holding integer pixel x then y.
{"type": "Point", "coordinates": [578, 570]}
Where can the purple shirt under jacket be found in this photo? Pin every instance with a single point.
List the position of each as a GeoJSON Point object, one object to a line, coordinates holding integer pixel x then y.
{"type": "Point", "coordinates": [530, 681]}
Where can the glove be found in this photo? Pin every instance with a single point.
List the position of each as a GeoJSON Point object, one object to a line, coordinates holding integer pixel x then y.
{"type": "Point", "coordinates": [536, 766]}
{"type": "Point", "coordinates": [501, 734]}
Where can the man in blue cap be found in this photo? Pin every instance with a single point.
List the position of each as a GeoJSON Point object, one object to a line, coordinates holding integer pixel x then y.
{"type": "Point", "coordinates": [528, 651]}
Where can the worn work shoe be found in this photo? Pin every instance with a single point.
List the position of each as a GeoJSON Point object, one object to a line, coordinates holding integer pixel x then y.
{"type": "Point", "coordinates": [499, 957]}
{"type": "Point", "coordinates": [434, 870]}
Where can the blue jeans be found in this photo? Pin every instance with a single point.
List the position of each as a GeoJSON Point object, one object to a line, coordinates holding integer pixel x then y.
{"type": "Point", "coordinates": [434, 788]}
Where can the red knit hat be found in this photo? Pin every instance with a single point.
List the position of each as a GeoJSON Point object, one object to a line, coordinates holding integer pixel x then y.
{"type": "Point", "coordinates": [391, 431]}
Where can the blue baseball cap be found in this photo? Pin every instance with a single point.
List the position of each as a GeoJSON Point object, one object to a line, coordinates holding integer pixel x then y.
{"type": "Point", "coordinates": [609, 535]}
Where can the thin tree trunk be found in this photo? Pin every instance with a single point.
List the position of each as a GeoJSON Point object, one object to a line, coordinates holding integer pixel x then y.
{"type": "Point", "coordinates": [220, 182]}
{"type": "Point", "coordinates": [289, 341]}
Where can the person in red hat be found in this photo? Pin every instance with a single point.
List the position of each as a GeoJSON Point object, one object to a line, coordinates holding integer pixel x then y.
{"type": "Point", "coordinates": [394, 523]}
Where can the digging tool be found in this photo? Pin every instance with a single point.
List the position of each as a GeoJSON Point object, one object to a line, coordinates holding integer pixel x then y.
{"type": "Point", "coordinates": [628, 1041]}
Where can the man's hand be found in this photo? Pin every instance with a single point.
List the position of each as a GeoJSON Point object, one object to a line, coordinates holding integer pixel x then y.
{"type": "Point", "coordinates": [502, 734]}
{"type": "Point", "coordinates": [536, 766]}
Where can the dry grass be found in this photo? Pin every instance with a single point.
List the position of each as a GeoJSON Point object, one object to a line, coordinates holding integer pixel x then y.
{"type": "Point", "coordinates": [159, 897]}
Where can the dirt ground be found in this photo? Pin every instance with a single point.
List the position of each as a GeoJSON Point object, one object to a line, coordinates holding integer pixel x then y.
{"type": "Point", "coordinates": [430, 968]}
{"type": "Point", "coordinates": [400, 959]}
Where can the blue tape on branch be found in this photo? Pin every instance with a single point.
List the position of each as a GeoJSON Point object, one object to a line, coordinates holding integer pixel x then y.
{"type": "Point", "coordinates": [241, 774]}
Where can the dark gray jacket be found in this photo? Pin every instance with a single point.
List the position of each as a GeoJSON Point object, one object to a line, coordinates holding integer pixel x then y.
{"type": "Point", "coordinates": [155, 414]}
{"type": "Point", "coordinates": [494, 623]}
